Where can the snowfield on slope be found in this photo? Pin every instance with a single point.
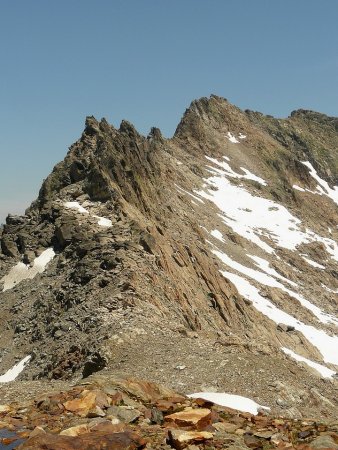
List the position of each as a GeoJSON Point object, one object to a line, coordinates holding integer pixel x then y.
{"type": "Point", "coordinates": [324, 371]}
{"type": "Point", "coordinates": [14, 372]}
{"type": "Point", "coordinates": [267, 280]}
{"type": "Point", "coordinates": [255, 217]}
{"type": "Point", "coordinates": [323, 187]}
{"type": "Point", "coordinates": [231, 401]}
{"type": "Point", "coordinates": [268, 224]}
{"type": "Point", "coordinates": [23, 271]}
{"type": "Point", "coordinates": [325, 343]}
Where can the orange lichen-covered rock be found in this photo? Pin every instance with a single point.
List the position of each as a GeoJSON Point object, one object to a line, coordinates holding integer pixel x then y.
{"type": "Point", "coordinates": [191, 418]}
{"type": "Point", "coordinates": [88, 402]}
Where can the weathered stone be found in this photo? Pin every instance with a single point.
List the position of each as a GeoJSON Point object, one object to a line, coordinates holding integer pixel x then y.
{"type": "Point", "coordinates": [89, 441]}
{"type": "Point", "coordinates": [37, 430]}
{"type": "Point", "coordinates": [9, 248]}
{"type": "Point", "coordinates": [323, 442]}
{"type": "Point", "coordinates": [125, 414]}
{"type": "Point", "coordinates": [180, 439]}
{"type": "Point", "coordinates": [165, 406]}
{"type": "Point", "coordinates": [4, 408]}
{"type": "Point", "coordinates": [156, 416]}
{"type": "Point", "coordinates": [225, 426]}
{"type": "Point", "coordinates": [192, 418]}
{"type": "Point", "coordinates": [96, 411]}
{"type": "Point", "coordinates": [252, 441]}
{"type": "Point", "coordinates": [304, 434]}
{"type": "Point", "coordinates": [266, 434]}
{"type": "Point", "coordinates": [89, 404]}
{"type": "Point", "coordinates": [75, 431]}
{"type": "Point", "coordinates": [145, 390]}
{"type": "Point", "coordinates": [285, 328]}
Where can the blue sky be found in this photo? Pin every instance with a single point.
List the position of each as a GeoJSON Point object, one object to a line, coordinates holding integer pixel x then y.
{"type": "Point", "coordinates": [145, 60]}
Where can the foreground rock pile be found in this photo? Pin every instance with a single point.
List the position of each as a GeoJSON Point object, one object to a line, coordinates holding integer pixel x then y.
{"type": "Point", "coordinates": [127, 414]}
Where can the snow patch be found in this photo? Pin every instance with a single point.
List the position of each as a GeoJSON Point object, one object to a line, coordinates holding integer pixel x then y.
{"type": "Point", "coordinates": [230, 401]}
{"type": "Point", "coordinates": [22, 271]}
{"type": "Point", "coordinates": [323, 187]}
{"type": "Point", "coordinates": [189, 193]}
{"type": "Point", "coordinates": [232, 138]}
{"type": "Point", "coordinates": [102, 221]}
{"type": "Point", "coordinates": [298, 188]}
{"type": "Point", "coordinates": [326, 344]}
{"type": "Point", "coordinates": [313, 263]}
{"type": "Point", "coordinates": [330, 290]}
{"type": "Point", "coordinates": [76, 205]}
{"type": "Point", "coordinates": [228, 171]}
{"type": "Point", "coordinates": [12, 373]}
{"type": "Point", "coordinates": [217, 234]}
{"type": "Point", "coordinates": [324, 371]}
{"type": "Point", "coordinates": [267, 280]}
{"type": "Point", "coordinates": [264, 265]}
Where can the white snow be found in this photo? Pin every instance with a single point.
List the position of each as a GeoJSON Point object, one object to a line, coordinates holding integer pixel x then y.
{"type": "Point", "coordinates": [254, 217]}
{"type": "Point", "coordinates": [264, 265]}
{"type": "Point", "coordinates": [228, 171]}
{"type": "Point", "coordinates": [189, 193]}
{"type": "Point", "coordinates": [324, 371]}
{"type": "Point", "coordinates": [232, 138]}
{"type": "Point", "coordinates": [12, 373]}
{"type": "Point", "coordinates": [217, 234]}
{"type": "Point", "coordinates": [241, 136]}
{"type": "Point", "coordinates": [250, 176]}
{"type": "Point", "coordinates": [323, 187]}
{"type": "Point", "coordinates": [264, 278]}
{"type": "Point", "coordinates": [313, 263]}
{"type": "Point", "coordinates": [230, 401]}
{"type": "Point", "coordinates": [298, 188]}
{"type": "Point", "coordinates": [102, 221]}
{"type": "Point", "coordinates": [329, 290]}
{"type": "Point", "coordinates": [76, 205]}
{"type": "Point", "coordinates": [22, 271]}
{"type": "Point", "coordinates": [325, 343]}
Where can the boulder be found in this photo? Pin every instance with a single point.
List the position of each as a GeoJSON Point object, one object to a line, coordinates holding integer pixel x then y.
{"type": "Point", "coordinates": [90, 441]}
{"type": "Point", "coordinates": [90, 404]}
{"type": "Point", "coordinates": [191, 418]}
{"type": "Point", "coordinates": [180, 439]}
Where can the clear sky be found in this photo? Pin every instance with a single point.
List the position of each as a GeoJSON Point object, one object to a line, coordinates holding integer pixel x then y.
{"type": "Point", "coordinates": [145, 61]}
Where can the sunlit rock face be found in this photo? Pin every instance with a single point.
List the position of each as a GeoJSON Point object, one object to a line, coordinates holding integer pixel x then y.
{"type": "Point", "coordinates": [209, 259]}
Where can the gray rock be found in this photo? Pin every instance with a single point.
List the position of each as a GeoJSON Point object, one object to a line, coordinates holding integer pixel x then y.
{"type": "Point", "coordinates": [324, 441]}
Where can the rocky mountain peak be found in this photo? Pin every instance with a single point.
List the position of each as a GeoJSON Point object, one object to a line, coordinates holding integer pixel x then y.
{"type": "Point", "coordinates": [215, 251]}
{"type": "Point", "coordinates": [214, 112]}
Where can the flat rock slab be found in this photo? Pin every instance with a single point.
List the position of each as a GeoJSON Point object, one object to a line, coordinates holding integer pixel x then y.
{"type": "Point", "coordinates": [192, 418]}
{"type": "Point", "coordinates": [180, 439]}
{"type": "Point", "coordinates": [91, 441]}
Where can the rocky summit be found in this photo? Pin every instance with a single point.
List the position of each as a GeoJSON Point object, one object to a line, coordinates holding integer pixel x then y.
{"type": "Point", "coordinates": [207, 262]}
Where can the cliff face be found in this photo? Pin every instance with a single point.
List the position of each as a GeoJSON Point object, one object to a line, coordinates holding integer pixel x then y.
{"type": "Point", "coordinates": [143, 253]}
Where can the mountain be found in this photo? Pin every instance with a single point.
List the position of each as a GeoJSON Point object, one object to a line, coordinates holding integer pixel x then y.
{"type": "Point", "coordinates": [207, 262]}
